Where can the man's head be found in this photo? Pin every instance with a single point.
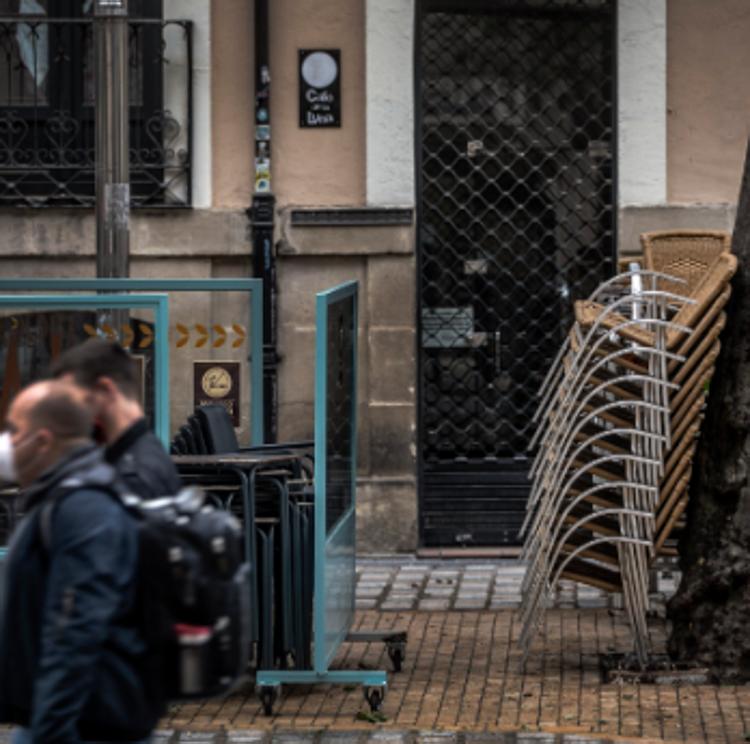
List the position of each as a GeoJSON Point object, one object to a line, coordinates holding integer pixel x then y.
{"type": "Point", "coordinates": [108, 375]}
{"type": "Point", "coordinates": [45, 421]}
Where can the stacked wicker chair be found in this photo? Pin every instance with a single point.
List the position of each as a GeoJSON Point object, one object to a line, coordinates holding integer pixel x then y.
{"type": "Point", "coordinates": [618, 422]}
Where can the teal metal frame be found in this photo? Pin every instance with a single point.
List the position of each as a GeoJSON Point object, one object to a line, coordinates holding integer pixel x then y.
{"type": "Point", "coordinates": [335, 574]}
{"type": "Point", "coordinates": [335, 550]}
{"type": "Point", "coordinates": [253, 286]}
{"type": "Point", "coordinates": [157, 303]}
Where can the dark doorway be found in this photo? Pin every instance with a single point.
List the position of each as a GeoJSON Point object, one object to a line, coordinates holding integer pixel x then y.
{"type": "Point", "coordinates": [516, 219]}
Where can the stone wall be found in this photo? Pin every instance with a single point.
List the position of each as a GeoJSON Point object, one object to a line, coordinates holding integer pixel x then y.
{"type": "Point", "coordinates": [382, 260]}
{"type": "Point", "coordinates": [635, 220]}
{"type": "Point", "coordinates": [215, 243]}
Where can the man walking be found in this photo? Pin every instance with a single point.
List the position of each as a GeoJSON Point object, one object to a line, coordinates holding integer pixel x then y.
{"type": "Point", "coordinates": [108, 375]}
{"type": "Point", "coordinates": [72, 661]}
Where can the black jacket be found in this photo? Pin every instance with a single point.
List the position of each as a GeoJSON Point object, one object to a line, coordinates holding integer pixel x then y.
{"type": "Point", "coordinates": [72, 661]}
{"type": "Point", "coordinates": [142, 463]}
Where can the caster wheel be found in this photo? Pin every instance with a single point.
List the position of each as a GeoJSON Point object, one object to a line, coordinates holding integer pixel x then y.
{"type": "Point", "coordinates": [268, 696]}
{"type": "Point", "coordinates": [374, 697]}
{"type": "Point", "coordinates": [396, 653]}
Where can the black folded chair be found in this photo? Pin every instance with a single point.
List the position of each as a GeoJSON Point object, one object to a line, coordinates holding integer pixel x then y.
{"type": "Point", "coordinates": [218, 431]}
{"type": "Point", "coordinates": [200, 440]}
{"type": "Point", "coordinates": [178, 445]}
{"type": "Point", "coordinates": [280, 538]}
{"type": "Point", "coordinates": [220, 437]}
{"type": "Point", "coordinates": [189, 438]}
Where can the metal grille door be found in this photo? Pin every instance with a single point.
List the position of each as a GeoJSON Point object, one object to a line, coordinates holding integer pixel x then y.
{"type": "Point", "coordinates": [516, 220]}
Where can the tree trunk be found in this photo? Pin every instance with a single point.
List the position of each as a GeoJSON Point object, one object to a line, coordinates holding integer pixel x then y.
{"type": "Point", "coordinates": [710, 613]}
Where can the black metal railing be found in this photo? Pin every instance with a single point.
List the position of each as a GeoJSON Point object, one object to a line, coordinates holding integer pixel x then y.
{"type": "Point", "coordinates": [47, 132]}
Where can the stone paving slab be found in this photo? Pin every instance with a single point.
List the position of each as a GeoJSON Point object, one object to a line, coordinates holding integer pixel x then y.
{"type": "Point", "coordinates": [426, 581]}
{"type": "Point", "coordinates": [462, 673]}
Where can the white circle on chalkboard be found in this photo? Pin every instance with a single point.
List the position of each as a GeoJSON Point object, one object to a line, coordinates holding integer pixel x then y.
{"type": "Point", "coordinates": [319, 69]}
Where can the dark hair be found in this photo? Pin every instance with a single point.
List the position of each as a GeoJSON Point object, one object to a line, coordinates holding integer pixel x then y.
{"type": "Point", "coordinates": [62, 412]}
{"type": "Point", "coordinates": [97, 358]}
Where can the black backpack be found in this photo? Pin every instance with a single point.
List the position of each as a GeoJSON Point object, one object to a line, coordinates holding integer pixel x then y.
{"type": "Point", "coordinates": [192, 594]}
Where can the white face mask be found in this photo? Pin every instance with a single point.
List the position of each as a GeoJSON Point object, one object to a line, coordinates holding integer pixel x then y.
{"type": "Point", "coordinates": [7, 459]}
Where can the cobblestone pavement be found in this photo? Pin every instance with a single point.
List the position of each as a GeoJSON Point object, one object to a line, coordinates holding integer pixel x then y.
{"type": "Point", "coordinates": [257, 736]}
{"type": "Point", "coordinates": [377, 737]}
{"type": "Point", "coordinates": [462, 674]}
{"type": "Point", "coordinates": [462, 682]}
{"type": "Point", "coordinates": [405, 583]}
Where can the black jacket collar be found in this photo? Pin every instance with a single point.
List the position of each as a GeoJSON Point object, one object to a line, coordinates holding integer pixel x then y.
{"type": "Point", "coordinates": [125, 441]}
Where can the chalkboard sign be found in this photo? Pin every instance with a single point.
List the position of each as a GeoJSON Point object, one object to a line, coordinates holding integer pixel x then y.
{"type": "Point", "coordinates": [319, 88]}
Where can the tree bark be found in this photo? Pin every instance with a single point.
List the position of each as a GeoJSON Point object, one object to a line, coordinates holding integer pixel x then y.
{"type": "Point", "coordinates": [710, 612]}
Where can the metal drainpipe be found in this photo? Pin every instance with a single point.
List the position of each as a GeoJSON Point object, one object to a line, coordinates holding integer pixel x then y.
{"type": "Point", "coordinates": [261, 215]}
{"type": "Point", "coordinates": [112, 139]}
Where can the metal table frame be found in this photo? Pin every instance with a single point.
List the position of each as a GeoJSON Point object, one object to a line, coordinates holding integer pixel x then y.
{"type": "Point", "coordinates": [248, 468]}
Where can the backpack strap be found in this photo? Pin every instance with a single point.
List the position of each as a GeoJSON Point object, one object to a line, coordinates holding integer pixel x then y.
{"type": "Point", "coordinates": [45, 523]}
{"type": "Point", "coordinates": [68, 486]}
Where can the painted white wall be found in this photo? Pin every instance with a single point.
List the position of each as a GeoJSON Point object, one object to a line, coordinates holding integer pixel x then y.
{"type": "Point", "coordinates": [390, 102]}
{"type": "Point", "coordinates": [199, 12]}
{"type": "Point", "coordinates": [642, 102]}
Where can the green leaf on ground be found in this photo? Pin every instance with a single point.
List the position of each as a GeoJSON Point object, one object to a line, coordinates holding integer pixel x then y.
{"type": "Point", "coordinates": [374, 717]}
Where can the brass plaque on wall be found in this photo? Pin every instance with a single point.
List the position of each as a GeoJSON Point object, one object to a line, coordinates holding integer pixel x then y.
{"type": "Point", "coordinates": [217, 382]}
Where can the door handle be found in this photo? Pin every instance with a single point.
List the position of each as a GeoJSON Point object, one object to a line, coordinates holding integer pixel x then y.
{"type": "Point", "coordinates": [497, 354]}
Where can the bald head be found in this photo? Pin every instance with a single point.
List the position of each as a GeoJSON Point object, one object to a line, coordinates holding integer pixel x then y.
{"type": "Point", "coordinates": [57, 406]}
{"type": "Point", "coordinates": [46, 420]}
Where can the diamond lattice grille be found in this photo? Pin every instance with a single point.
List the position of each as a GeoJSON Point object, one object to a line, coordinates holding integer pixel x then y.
{"type": "Point", "coordinates": [516, 216]}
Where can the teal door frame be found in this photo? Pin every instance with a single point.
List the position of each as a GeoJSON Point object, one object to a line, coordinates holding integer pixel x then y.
{"type": "Point", "coordinates": [157, 303]}
{"type": "Point", "coordinates": [254, 287]}
{"type": "Point", "coordinates": [334, 547]}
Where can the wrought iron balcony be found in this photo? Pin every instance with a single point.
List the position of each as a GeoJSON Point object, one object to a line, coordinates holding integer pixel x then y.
{"type": "Point", "coordinates": [47, 113]}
